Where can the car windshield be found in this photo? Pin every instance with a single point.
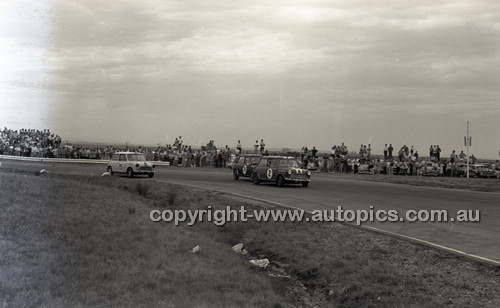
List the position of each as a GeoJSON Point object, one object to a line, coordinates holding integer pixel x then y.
{"type": "Point", "coordinates": [290, 163]}
{"type": "Point", "coordinates": [136, 157]}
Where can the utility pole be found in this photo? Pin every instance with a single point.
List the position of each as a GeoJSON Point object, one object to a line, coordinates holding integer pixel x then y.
{"type": "Point", "coordinates": [467, 144]}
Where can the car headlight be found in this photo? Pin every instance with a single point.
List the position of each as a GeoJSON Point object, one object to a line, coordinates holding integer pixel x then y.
{"type": "Point", "coordinates": [289, 172]}
{"type": "Point", "coordinates": [137, 165]}
{"type": "Point", "coordinates": [153, 166]}
{"type": "Point", "coordinates": [308, 173]}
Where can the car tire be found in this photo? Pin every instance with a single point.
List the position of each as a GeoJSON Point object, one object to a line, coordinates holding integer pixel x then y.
{"type": "Point", "coordinates": [151, 175]}
{"type": "Point", "coordinates": [236, 176]}
{"type": "Point", "coordinates": [280, 181]}
{"type": "Point", "coordinates": [255, 178]}
{"type": "Point", "coordinates": [110, 170]}
{"type": "Point", "coordinates": [305, 184]}
{"type": "Point", "coordinates": [130, 173]}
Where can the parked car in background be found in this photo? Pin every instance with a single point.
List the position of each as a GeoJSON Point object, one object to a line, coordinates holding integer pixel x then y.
{"type": "Point", "coordinates": [429, 168]}
{"type": "Point", "coordinates": [364, 169]}
{"type": "Point", "coordinates": [131, 164]}
{"type": "Point", "coordinates": [483, 171]}
{"type": "Point", "coordinates": [461, 170]}
{"type": "Point", "coordinates": [281, 170]}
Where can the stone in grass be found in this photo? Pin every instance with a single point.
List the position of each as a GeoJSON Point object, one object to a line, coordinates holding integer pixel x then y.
{"type": "Point", "coordinates": [260, 263]}
{"type": "Point", "coordinates": [195, 249]}
{"type": "Point", "coordinates": [38, 173]}
{"type": "Point", "coordinates": [238, 248]}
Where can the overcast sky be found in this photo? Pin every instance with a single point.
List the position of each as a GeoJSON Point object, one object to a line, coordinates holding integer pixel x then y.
{"type": "Point", "coordinates": [295, 73]}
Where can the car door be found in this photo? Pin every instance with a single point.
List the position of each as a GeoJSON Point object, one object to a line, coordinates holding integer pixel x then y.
{"type": "Point", "coordinates": [267, 169]}
{"type": "Point", "coordinates": [246, 166]}
{"type": "Point", "coordinates": [239, 164]}
{"type": "Point", "coordinates": [272, 170]}
{"type": "Point", "coordinates": [261, 168]}
{"type": "Point", "coordinates": [122, 162]}
{"type": "Point", "coordinates": [113, 163]}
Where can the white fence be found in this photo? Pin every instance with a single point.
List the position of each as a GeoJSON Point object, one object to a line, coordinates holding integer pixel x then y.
{"type": "Point", "coordinates": [66, 160]}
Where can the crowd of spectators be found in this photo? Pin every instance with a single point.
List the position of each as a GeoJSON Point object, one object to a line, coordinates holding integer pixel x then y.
{"type": "Point", "coordinates": [406, 161]}
{"type": "Point", "coordinates": [28, 142]}
{"type": "Point", "coordinates": [178, 154]}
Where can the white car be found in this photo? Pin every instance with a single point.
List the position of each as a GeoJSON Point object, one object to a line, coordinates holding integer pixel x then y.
{"type": "Point", "coordinates": [130, 163]}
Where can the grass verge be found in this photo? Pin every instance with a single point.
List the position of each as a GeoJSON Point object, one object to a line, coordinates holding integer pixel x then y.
{"type": "Point", "coordinates": [85, 240]}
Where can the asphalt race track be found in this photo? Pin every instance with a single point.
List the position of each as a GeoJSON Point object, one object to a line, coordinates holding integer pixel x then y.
{"type": "Point", "coordinates": [480, 239]}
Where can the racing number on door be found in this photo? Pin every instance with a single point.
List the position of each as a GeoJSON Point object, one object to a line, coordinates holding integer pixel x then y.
{"type": "Point", "coordinates": [269, 173]}
{"type": "Point", "coordinates": [121, 159]}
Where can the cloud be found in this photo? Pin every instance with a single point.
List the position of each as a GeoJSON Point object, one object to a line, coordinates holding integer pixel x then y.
{"type": "Point", "coordinates": [328, 63]}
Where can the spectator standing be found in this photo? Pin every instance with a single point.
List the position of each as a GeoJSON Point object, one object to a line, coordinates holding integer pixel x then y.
{"type": "Point", "coordinates": [462, 156]}
{"type": "Point", "coordinates": [314, 152]}
{"type": "Point", "coordinates": [451, 164]}
{"type": "Point", "coordinates": [262, 146]}
{"type": "Point", "coordinates": [238, 148]}
{"type": "Point", "coordinates": [474, 159]}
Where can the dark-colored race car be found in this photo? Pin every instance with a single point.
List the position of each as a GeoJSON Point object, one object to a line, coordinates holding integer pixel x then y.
{"type": "Point", "coordinates": [244, 165]}
{"type": "Point", "coordinates": [281, 170]}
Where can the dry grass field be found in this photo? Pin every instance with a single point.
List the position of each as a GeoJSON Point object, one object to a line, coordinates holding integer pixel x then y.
{"type": "Point", "coordinates": [88, 241]}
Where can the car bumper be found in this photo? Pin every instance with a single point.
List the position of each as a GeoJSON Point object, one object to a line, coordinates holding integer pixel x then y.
{"type": "Point", "coordinates": [296, 180]}
{"type": "Point", "coordinates": [144, 170]}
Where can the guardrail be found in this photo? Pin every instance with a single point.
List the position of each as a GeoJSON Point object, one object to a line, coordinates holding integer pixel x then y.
{"type": "Point", "coordinates": [66, 160]}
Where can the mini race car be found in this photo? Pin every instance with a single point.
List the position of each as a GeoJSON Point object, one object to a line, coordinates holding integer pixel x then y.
{"type": "Point", "coordinates": [244, 165]}
{"type": "Point", "coordinates": [281, 170]}
{"type": "Point", "coordinates": [131, 164]}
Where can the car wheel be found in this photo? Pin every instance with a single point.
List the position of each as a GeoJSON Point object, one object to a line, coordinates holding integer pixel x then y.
{"type": "Point", "coordinates": [305, 184]}
{"type": "Point", "coordinates": [280, 181]}
{"type": "Point", "coordinates": [255, 178]}
{"type": "Point", "coordinates": [130, 173]}
{"type": "Point", "coordinates": [151, 175]}
{"type": "Point", "coordinates": [110, 171]}
{"type": "Point", "coordinates": [236, 176]}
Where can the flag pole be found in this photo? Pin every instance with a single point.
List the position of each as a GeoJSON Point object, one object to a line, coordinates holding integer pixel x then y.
{"type": "Point", "coordinates": [467, 143]}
